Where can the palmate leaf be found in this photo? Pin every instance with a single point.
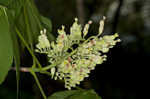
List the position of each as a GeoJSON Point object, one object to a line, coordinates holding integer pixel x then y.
{"type": "Point", "coordinates": [6, 51]}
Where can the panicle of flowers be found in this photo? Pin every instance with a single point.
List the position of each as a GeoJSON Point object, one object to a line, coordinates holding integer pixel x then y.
{"type": "Point", "coordinates": [71, 56]}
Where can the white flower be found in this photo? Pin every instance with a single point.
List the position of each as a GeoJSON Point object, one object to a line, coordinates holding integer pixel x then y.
{"type": "Point", "coordinates": [43, 44]}
{"type": "Point", "coordinates": [73, 56]}
{"type": "Point", "coordinates": [75, 31]}
{"type": "Point", "coordinates": [53, 71]}
{"type": "Point", "coordinates": [101, 27]}
{"type": "Point", "coordinates": [86, 28]}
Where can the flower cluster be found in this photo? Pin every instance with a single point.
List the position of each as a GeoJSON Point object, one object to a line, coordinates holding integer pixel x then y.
{"type": "Point", "coordinates": [71, 56]}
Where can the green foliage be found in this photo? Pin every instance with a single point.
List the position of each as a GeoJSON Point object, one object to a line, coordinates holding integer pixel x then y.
{"type": "Point", "coordinates": [5, 2]}
{"type": "Point", "coordinates": [63, 94]}
{"type": "Point", "coordinates": [30, 22]}
{"type": "Point", "coordinates": [23, 15]}
{"type": "Point", "coordinates": [16, 61]}
{"type": "Point", "coordinates": [85, 95]}
{"type": "Point", "coordinates": [47, 23]}
{"type": "Point", "coordinates": [6, 51]}
{"type": "Point", "coordinates": [75, 94]}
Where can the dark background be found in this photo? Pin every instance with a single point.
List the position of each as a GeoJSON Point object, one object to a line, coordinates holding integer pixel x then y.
{"type": "Point", "coordinates": [120, 76]}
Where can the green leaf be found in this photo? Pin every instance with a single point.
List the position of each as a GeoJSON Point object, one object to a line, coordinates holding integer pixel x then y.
{"type": "Point", "coordinates": [47, 23]}
{"type": "Point", "coordinates": [16, 60]}
{"type": "Point", "coordinates": [30, 22]}
{"type": "Point", "coordinates": [16, 5]}
{"type": "Point", "coordinates": [17, 64]}
{"type": "Point", "coordinates": [5, 2]}
{"type": "Point", "coordinates": [75, 94]}
{"type": "Point", "coordinates": [90, 94]}
{"type": "Point", "coordinates": [63, 94]}
{"type": "Point", "coordinates": [16, 48]}
{"type": "Point", "coordinates": [6, 51]}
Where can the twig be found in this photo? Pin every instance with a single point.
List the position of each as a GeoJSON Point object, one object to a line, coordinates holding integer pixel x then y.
{"type": "Point", "coordinates": [22, 69]}
{"type": "Point", "coordinates": [38, 83]}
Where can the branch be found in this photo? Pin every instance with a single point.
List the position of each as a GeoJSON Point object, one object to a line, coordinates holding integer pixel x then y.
{"type": "Point", "coordinates": [22, 69]}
